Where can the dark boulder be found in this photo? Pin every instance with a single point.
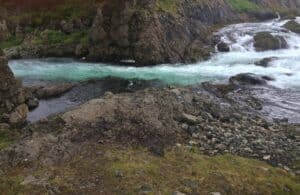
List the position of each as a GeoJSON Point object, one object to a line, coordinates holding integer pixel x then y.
{"type": "Point", "coordinates": [248, 79]}
{"type": "Point", "coordinates": [265, 62]}
{"type": "Point", "coordinates": [264, 41]}
{"type": "Point", "coordinates": [264, 15]}
{"type": "Point", "coordinates": [223, 47]}
{"type": "Point", "coordinates": [293, 26]}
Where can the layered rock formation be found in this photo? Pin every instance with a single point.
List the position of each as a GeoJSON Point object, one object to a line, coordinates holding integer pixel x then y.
{"type": "Point", "coordinates": [153, 32]}
{"type": "Point", "coordinates": [13, 109]}
{"type": "Point", "coordinates": [144, 32]}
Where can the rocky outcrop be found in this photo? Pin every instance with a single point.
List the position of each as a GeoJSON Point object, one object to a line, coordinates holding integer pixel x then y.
{"type": "Point", "coordinates": [293, 26]}
{"type": "Point", "coordinates": [150, 33]}
{"type": "Point", "coordinates": [4, 32]}
{"type": "Point", "coordinates": [249, 79]}
{"type": "Point", "coordinates": [13, 109]}
{"type": "Point", "coordinates": [264, 41]}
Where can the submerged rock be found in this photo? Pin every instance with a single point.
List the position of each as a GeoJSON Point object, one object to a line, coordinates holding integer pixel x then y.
{"type": "Point", "coordinates": [264, 41]}
{"type": "Point", "coordinates": [265, 62]}
{"type": "Point", "coordinates": [247, 79]}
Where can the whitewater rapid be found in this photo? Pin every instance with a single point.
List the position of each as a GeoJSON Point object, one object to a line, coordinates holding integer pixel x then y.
{"type": "Point", "coordinates": [285, 69]}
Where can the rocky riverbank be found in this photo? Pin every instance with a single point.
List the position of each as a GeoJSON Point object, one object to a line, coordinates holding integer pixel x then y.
{"type": "Point", "coordinates": [206, 119]}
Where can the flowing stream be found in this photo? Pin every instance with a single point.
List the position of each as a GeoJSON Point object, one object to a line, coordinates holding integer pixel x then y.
{"type": "Point", "coordinates": [284, 68]}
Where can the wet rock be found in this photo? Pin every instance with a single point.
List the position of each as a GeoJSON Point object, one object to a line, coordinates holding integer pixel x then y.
{"type": "Point", "coordinates": [264, 41]}
{"type": "Point", "coordinates": [247, 79]}
{"type": "Point", "coordinates": [52, 91]}
{"type": "Point", "coordinates": [265, 62]}
{"type": "Point", "coordinates": [81, 50]}
{"type": "Point", "coordinates": [264, 15]}
{"type": "Point", "coordinates": [223, 47]}
{"type": "Point", "coordinates": [32, 103]}
{"type": "Point", "coordinates": [293, 26]}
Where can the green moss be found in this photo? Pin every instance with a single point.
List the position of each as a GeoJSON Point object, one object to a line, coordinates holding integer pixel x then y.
{"type": "Point", "coordinates": [11, 42]}
{"type": "Point", "coordinates": [4, 140]}
{"type": "Point", "coordinates": [179, 170]}
{"type": "Point", "coordinates": [68, 12]}
{"type": "Point", "coordinates": [57, 37]}
{"type": "Point", "coordinates": [226, 173]}
{"type": "Point", "coordinates": [169, 6]}
{"type": "Point", "coordinates": [11, 185]}
{"type": "Point", "coordinates": [243, 5]}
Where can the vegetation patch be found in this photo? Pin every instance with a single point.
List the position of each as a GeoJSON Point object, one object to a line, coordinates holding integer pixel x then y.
{"type": "Point", "coordinates": [11, 42]}
{"type": "Point", "coordinates": [57, 37]}
{"type": "Point", "coordinates": [5, 140]}
{"type": "Point", "coordinates": [67, 12]}
{"type": "Point", "coordinates": [243, 5]}
{"type": "Point", "coordinates": [170, 6]}
{"type": "Point", "coordinates": [115, 170]}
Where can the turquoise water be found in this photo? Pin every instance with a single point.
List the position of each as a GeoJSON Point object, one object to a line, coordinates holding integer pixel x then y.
{"type": "Point", "coordinates": [285, 69]}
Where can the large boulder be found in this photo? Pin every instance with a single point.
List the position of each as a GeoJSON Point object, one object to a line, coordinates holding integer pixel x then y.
{"type": "Point", "coordinates": [264, 41]}
{"type": "Point", "coordinates": [12, 96]}
{"type": "Point", "coordinates": [293, 26]}
{"type": "Point", "coordinates": [248, 79]}
{"type": "Point", "coordinates": [223, 47]}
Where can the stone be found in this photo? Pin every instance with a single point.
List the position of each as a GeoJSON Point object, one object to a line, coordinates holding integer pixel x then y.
{"type": "Point", "coordinates": [189, 119]}
{"type": "Point", "coordinates": [267, 157]}
{"type": "Point", "coordinates": [32, 103]}
{"type": "Point", "coordinates": [119, 173]}
{"type": "Point", "coordinates": [247, 79]}
{"type": "Point", "coordinates": [293, 26]}
{"type": "Point", "coordinates": [223, 47]}
{"type": "Point", "coordinates": [145, 189]}
{"type": "Point", "coordinates": [264, 41]}
{"type": "Point", "coordinates": [53, 91]}
{"type": "Point", "coordinates": [265, 62]}
{"type": "Point", "coordinates": [19, 115]}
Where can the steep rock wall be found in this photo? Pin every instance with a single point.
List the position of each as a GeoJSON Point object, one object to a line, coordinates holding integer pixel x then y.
{"type": "Point", "coordinates": [162, 31]}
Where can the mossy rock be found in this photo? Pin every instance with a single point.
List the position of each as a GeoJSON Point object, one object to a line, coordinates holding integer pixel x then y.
{"type": "Point", "coordinates": [264, 41]}
{"type": "Point", "coordinates": [293, 26]}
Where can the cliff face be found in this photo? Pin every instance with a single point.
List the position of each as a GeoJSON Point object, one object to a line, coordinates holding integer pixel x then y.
{"type": "Point", "coordinates": [151, 33]}
{"type": "Point", "coordinates": [162, 31]}
{"type": "Point", "coordinates": [146, 31]}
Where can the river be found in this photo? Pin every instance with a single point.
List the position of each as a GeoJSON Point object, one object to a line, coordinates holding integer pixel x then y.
{"type": "Point", "coordinates": [284, 68]}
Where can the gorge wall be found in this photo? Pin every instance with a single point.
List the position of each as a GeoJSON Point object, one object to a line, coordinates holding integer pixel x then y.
{"type": "Point", "coordinates": [145, 31]}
